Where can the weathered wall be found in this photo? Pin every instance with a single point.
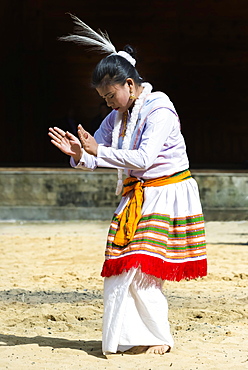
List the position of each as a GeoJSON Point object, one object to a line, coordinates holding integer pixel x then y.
{"type": "Point", "coordinates": [61, 195]}
{"type": "Point", "coordinates": [224, 195]}
{"type": "Point", "coordinates": [72, 195]}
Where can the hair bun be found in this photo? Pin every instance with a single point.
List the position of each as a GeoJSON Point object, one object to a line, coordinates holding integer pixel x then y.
{"type": "Point", "coordinates": [130, 50]}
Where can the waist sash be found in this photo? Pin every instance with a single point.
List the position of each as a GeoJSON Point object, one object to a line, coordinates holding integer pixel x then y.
{"type": "Point", "coordinates": [129, 218]}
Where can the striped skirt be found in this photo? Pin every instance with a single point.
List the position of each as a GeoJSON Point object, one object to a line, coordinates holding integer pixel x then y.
{"type": "Point", "coordinates": [169, 242]}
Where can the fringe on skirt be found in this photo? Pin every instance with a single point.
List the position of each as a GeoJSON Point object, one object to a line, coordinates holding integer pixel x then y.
{"type": "Point", "coordinates": [169, 242]}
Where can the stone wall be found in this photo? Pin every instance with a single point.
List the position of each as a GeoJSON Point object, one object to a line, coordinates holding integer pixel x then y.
{"type": "Point", "coordinates": [68, 194]}
{"type": "Point", "coordinates": [224, 195]}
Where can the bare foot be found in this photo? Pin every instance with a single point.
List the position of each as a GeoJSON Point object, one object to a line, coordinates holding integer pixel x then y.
{"type": "Point", "coordinates": [137, 350]}
{"type": "Point", "coordinates": [158, 350]}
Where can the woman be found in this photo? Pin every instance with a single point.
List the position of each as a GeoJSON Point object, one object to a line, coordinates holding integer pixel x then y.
{"type": "Point", "coordinates": [157, 232]}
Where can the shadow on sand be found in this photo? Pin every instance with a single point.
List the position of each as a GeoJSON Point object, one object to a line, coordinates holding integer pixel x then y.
{"type": "Point", "coordinates": [91, 347]}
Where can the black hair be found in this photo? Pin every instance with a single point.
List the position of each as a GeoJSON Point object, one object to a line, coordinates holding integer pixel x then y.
{"type": "Point", "coordinates": [115, 69]}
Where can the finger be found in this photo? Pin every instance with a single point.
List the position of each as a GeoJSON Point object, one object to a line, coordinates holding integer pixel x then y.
{"type": "Point", "coordinates": [82, 131]}
{"type": "Point", "coordinates": [70, 136]}
{"type": "Point", "coordinates": [59, 131]}
{"type": "Point", "coordinates": [51, 130]}
{"type": "Point", "coordinates": [54, 137]}
{"type": "Point", "coordinates": [81, 137]}
{"type": "Point", "coordinates": [56, 143]}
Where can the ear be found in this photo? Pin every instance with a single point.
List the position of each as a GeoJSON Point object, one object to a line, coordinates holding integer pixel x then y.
{"type": "Point", "coordinates": [130, 82]}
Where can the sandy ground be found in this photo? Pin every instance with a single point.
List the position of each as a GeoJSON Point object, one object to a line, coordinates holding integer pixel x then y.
{"type": "Point", "coordinates": [51, 301]}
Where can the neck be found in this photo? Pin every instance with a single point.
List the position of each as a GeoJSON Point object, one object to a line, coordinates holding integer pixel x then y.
{"type": "Point", "coordinates": [137, 93]}
{"type": "Point", "coordinates": [139, 90]}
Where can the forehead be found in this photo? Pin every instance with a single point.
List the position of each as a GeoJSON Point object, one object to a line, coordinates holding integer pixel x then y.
{"type": "Point", "coordinates": [106, 90]}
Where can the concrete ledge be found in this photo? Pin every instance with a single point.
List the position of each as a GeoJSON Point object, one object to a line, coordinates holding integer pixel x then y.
{"type": "Point", "coordinates": [224, 195]}
{"type": "Point", "coordinates": [55, 213]}
{"type": "Point", "coordinates": [225, 214]}
{"type": "Point", "coordinates": [69, 194]}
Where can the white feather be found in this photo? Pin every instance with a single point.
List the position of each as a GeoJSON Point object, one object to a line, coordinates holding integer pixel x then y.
{"type": "Point", "coordinates": [87, 36]}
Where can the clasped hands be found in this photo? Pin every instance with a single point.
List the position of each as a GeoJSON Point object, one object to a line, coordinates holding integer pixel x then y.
{"type": "Point", "coordinates": [71, 145]}
{"type": "Point", "coordinates": [88, 142]}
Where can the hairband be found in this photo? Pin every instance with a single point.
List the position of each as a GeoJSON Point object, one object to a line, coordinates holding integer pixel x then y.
{"type": "Point", "coordinates": [127, 56]}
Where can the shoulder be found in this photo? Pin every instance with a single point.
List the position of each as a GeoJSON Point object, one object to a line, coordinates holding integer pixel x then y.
{"type": "Point", "coordinates": [104, 132]}
{"type": "Point", "coordinates": [158, 97]}
{"type": "Point", "coordinates": [157, 100]}
{"type": "Point", "coordinates": [109, 120]}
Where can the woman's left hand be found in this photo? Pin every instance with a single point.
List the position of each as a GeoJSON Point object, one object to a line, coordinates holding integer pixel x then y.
{"type": "Point", "coordinates": [88, 142]}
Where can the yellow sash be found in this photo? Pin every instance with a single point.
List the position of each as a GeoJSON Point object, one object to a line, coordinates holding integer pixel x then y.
{"type": "Point", "coordinates": [129, 218]}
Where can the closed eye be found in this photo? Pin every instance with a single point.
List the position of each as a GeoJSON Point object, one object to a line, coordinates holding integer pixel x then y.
{"type": "Point", "coordinates": [108, 97]}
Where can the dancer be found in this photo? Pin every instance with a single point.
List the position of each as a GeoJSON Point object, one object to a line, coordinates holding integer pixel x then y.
{"type": "Point", "coordinates": [157, 231]}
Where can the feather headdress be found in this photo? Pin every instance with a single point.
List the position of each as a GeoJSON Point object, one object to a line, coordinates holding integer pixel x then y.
{"type": "Point", "coordinates": [87, 36]}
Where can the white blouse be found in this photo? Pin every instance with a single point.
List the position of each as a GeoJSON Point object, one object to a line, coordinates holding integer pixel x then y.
{"type": "Point", "coordinates": [157, 147]}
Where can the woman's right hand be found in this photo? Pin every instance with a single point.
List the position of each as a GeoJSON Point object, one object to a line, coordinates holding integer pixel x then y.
{"type": "Point", "coordinates": [66, 142]}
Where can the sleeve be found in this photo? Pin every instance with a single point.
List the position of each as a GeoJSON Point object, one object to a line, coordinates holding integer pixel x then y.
{"type": "Point", "coordinates": [103, 136]}
{"type": "Point", "coordinates": [87, 162]}
{"type": "Point", "coordinates": [159, 125]}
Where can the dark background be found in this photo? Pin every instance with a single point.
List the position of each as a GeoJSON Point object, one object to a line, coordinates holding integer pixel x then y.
{"type": "Point", "coordinates": [194, 51]}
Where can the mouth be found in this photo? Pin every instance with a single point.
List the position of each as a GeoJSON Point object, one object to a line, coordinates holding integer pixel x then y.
{"type": "Point", "coordinates": [116, 108]}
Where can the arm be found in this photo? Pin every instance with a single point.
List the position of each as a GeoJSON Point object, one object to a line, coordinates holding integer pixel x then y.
{"type": "Point", "coordinates": [158, 127]}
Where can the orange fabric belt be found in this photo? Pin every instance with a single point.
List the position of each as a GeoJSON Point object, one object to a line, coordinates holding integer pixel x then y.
{"type": "Point", "coordinates": [129, 218]}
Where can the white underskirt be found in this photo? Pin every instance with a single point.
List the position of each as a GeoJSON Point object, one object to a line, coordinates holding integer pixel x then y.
{"type": "Point", "coordinates": [135, 312]}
